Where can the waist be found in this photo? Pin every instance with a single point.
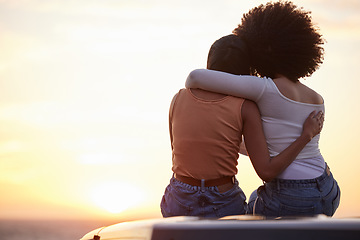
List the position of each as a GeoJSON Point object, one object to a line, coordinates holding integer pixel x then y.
{"type": "Point", "coordinates": [205, 182]}
{"type": "Point", "coordinates": [302, 182]}
{"type": "Point", "coordinates": [308, 168]}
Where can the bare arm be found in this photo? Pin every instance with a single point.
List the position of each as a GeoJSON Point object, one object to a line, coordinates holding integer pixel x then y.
{"type": "Point", "coordinates": [249, 87]}
{"type": "Point", "coordinates": [266, 167]}
{"type": "Point", "coordinates": [170, 118]}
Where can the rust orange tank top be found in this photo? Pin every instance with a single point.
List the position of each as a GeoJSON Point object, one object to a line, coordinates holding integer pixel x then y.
{"type": "Point", "coordinates": [206, 135]}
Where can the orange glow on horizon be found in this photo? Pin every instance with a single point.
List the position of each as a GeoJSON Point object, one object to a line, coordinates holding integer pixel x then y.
{"type": "Point", "coordinates": [86, 88]}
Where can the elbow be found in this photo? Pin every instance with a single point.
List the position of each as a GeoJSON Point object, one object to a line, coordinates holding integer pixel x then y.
{"type": "Point", "coordinates": [267, 179]}
{"type": "Point", "coordinates": [191, 81]}
{"type": "Point", "coordinates": [266, 176]}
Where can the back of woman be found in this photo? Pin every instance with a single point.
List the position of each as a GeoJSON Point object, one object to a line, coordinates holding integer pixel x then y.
{"type": "Point", "coordinates": [205, 132]}
{"type": "Point", "coordinates": [285, 46]}
{"type": "Point", "coordinates": [283, 114]}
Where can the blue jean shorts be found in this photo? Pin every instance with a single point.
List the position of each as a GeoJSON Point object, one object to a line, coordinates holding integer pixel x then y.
{"type": "Point", "coordinates": [308, 197]}
{"type": "Point", "coordinates": [181, 199]}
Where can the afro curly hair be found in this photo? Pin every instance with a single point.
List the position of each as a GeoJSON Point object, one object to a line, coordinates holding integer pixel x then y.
{"type": "Point", "coordinates": [282, 40]}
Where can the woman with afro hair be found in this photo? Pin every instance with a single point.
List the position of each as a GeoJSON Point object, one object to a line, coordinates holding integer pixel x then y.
{"type": "Point", "coordinates": [206, 131]}
{"type": "Point", "coordinates": [284, 46]}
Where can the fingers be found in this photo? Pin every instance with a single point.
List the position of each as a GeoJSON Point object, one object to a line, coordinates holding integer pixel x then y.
{"type": "Point", "coordinates": [320, 119]}
{"type": "Point", "coordinates": [319, 115]}
{"type": "Point", "coordinates": [312, 114]}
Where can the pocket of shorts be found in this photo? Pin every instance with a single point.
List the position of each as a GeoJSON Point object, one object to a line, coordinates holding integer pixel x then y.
{"type": "Point", "coordinates": [332, 200]}
{"type": "Point", "coordinates": [286, 210]}
{"type": "Point", "coordinates": [237, 206]}
{"type": "Point", "coordinates": [297, 205]}
{"type": "Point", "coordinates": [171, 206]}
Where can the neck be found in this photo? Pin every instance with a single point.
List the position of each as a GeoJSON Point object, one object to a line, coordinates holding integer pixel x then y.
{"type": "Point", "coordinates": [281, 76]}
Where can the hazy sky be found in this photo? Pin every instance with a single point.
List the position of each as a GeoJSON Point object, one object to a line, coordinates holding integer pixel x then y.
{"type": "Point", "coordinates": [86, 87]}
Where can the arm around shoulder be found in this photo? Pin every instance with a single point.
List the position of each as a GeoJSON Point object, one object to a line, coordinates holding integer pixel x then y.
{"type": "Point", "coordinates": [244, 86]}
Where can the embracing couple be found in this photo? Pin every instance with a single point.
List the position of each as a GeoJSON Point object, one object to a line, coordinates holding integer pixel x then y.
{"type": "Point", "coordinates": [250, 93]}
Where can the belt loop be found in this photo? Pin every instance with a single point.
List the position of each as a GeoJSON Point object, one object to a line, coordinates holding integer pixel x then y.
{"type": "Point", "coordinates": [202, 185]}
{"type": "Point", "coordinates": [328, 170]}
{"type": "Point", "coordinates": [278, 184]}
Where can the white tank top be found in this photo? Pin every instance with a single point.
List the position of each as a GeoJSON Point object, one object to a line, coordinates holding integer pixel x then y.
{"type": "Point", "coordinates": [283, 121]}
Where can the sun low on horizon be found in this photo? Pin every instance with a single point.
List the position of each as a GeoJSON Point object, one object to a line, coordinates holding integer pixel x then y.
{"type": "Point", "coordinates": [110, 196]}
{"type": "Point", "coordinates": [86, 88]}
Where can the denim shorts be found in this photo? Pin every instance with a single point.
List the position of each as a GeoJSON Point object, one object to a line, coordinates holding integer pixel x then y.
{"type": "Point", "coordinates": [308, 197]}
{"type": "Point", "coordinates": [181, 199]}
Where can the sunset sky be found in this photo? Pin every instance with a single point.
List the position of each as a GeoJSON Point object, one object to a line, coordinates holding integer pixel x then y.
{"type": "Point", "coordinates": [85, 92]}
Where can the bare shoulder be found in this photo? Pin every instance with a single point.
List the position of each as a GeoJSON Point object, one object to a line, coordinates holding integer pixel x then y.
{"type": "Point", "coordinates": [249, 110]}
{"type": "Point", "coordinates": [312, 96]}
{"type": "Point", "coordinates": [297, 91]}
